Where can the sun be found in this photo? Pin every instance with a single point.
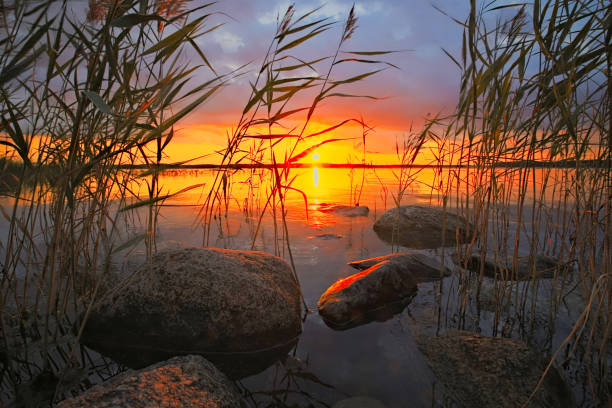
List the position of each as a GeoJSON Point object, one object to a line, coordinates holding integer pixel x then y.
{"type": "Point", "coordinates": [315, 156]}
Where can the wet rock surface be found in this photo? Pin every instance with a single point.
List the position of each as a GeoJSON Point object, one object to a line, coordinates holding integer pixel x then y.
{"type": "Point", "coordinates": [376, 293]}
{"type": "Point", "coordinates": [239, 309]}
{"type": "Point", "coordinates": [538, 266]}
{"type": "Point", "coordinates": [483, 372]}
{"type": "Point", "coordinates": [422, 267]}
{"type": "Point", "coordinates": [344, 210]}
{"type": "Point", "coordinates": [186, 381]}
{"type": "Point", "coordinates": [420, 227]}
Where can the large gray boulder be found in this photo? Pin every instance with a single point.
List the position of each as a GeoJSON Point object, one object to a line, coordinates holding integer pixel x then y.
{"type": "Point", "coordinates": [527, 267]}
{"type": "Point", "coordinates": [492, 372]}
{"type": "Point", "coordinates": [239, 309]}
{"type": "Point", "coordinates": [420, 227]}
{"type": "Point", "coordinates": [376, 293]}
{"type": "Point", "coordinates": [186, 381]}
{"type": "Point", "coordinates": [422, 267]}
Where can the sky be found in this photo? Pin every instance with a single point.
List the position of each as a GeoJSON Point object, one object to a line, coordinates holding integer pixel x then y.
{"type": "Point", "coordinates": [422, 83]}
{"type": "Point", "coordinates": [425, 83]}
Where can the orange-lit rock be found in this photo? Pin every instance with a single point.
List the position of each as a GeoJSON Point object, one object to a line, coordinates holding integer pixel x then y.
{"type": "Point", "coordinates": [239, 309]}
{"type": "Point", "coordinates": [420, 227]}
{"type": "Point", "coordinates": [376, 293]}
{"type": "Point", "coordinates": [187, 381]}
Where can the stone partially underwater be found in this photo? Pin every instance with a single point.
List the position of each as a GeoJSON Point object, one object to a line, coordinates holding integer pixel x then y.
{"type": "Point", "coordinates": [491, 372]}
{"type": "Point", "coordinates": [239, 309]}
{"type": "Point", "coordinates": [344, 210]}
{"type": "Point", "coordinates": [418, 227]}
{"type": "Point", "coordinates": [375, 294]}
{"type": "Point", "coordinates": [186, 381]}
{"type": "Point", "coordinates": [527, 267]}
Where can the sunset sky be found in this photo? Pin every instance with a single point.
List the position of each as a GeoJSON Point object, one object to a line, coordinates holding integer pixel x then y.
{"type": "Point", "coordinates": [426, 82]}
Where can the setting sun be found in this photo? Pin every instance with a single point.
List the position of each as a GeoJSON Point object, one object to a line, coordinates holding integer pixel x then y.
{"type": "Point", "coordinates": [315, 156]}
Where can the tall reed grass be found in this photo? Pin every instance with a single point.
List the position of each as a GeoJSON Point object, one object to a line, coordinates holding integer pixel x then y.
{"type": "Point", "coordinates": [81, 103]}
{"type": "Point", "coordinates": [77, 100]}
{"type": "Point", "coordinates": [278, 95]}
{"type": "Point", "coordinates": [535, 87]}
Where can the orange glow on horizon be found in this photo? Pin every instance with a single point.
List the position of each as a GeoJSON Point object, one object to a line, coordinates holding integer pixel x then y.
{"type": "Point", "coordinates": [201, 143]}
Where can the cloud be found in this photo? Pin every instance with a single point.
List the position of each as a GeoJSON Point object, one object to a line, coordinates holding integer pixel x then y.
{"type": "Point", "coordinates": [229, 42]}
{"type": "Point", "coordinates": [367, 8]}
{"type": "Point", "coordinates": [270, 17]}
{"type": "Point", "coordinates": [402, 33]}
{"type": "Point", "coordinates": [328, 9]}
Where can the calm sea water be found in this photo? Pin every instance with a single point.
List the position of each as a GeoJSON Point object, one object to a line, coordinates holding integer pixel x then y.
{"type": "Point", "coordinates": [379, 359]}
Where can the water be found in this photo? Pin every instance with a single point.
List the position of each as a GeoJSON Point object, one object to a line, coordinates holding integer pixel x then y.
{"type": "Point", "coordinates": [379, 359]}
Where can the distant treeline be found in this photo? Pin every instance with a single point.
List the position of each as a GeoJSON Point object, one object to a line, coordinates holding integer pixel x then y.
{"type": "Point", "coordinates": [12, 170]}
{"type": "Point", "coordinates": [512, 164]}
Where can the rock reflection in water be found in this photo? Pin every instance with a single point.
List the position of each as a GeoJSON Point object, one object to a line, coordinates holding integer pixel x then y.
{"type": "Point", "coordinates": [235, 365]}
{"type": "Point", "coordinates": [379, 314]}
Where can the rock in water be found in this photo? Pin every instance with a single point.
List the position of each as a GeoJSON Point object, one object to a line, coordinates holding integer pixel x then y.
{"type": "Point", "coordinates": [492, 371]}
{"type": "Point", "coordinates": [544, 267]}
{"type": "Point", "coordinates": [345, 210]}
{"type": "Point", "coordinates": [420, 227]}
{"type": "Point", "coordinates": [422, 267]}
{"type": "Point", "coordinates": [187, 381]}
{"type": "Point", "coordinates": [328, 237]}
{"type": "Point", "coordinates": [239, 309]}
{"type": "Point", "coordinates": [374, 294]}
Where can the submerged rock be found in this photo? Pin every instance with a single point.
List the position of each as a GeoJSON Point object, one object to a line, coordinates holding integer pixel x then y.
{"type": "Point", "coordinates": [187, 381]}
{"type": "Point", "coordinates": [376, 293]}
{"type": "Point", "coordinates": [422, 267]}
{"type": "Point", "coordinates": [420, 227]}
{"type": "Point", "coordinates": [544, 267]}
{"type": "Point", "coordinates": [240, 309]}
{"type": "Point", "coordinates": [328, 237]}
{"type": "Point", "coordinates": [345, 210]}
{"type": "Point", "coordinates": [492, 371]}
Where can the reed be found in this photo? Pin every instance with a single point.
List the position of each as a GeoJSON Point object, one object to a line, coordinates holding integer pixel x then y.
{"type": "Point", "coordinates": [536, 87]}
{"type": "Point", "coordinates": [77, 100]}
{"type": "Point", "coordinates": [277, 97]}
{"type": "Point", "coordinates": [81, 104]}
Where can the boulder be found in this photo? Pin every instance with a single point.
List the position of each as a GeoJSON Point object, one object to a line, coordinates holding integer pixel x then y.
{"type": "Point", "coordinates": [422, 267]}
{"type": "Point", "coordinates": [186, 381]}
{"type": "Point", "coordinates": [376, 293]}
{"type": "Point", "coordinates": [492, 371]}
{"type": "Point", "coordinates": [544, 266]}
{"type": "Point", "coordinates": [420, 227]}
{"type": "Point", "coordinates": [344, 210]}
{"type": "Point", "coordinates": [239, 309]}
